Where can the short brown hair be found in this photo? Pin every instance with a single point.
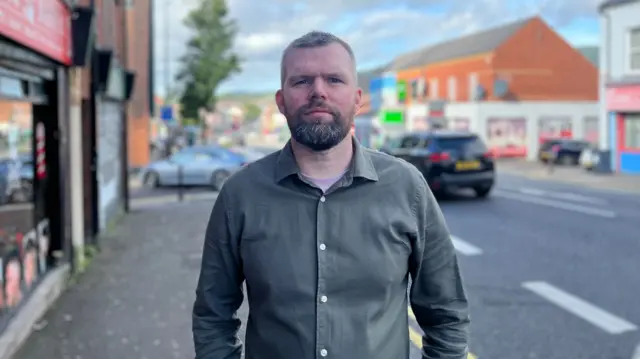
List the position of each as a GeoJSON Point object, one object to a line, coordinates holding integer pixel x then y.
{"type": "Point", "coordinates": [315, 39]}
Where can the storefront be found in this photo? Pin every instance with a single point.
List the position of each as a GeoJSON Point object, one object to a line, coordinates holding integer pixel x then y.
{"type": "Point", "coordinates": [35, 50]}
{"type": "Point", "coordinates": [623, 105]}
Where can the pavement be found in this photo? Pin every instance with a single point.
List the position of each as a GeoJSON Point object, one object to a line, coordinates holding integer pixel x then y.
{"type": "Point", "coordinates": [551, 271]}
{"type": "Point", "coordinates": [570, 175]}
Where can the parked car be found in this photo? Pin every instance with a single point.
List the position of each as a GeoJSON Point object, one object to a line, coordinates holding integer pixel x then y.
{"type": "Point", "coordinates": [562, 151]}
{"type": "Point", "coordinates": [193, 166]}
{"type": "Point", "coordinates": [448, 159]}
{"type": "Point", "coordinates": [589, 158]}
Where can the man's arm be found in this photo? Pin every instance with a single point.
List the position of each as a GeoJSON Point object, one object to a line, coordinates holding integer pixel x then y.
{"type": "Point", "coordinates": [219, 292]}
{"type": "Point", "coordinates": [437, 296]}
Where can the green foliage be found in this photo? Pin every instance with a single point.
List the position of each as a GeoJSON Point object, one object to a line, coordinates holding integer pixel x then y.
{"type": "Point", "coordinates": [209, 59]}
{"type": "Point", "coordinates": [252, 111]}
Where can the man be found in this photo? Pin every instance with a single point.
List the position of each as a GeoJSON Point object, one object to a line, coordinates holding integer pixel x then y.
{"type": "Point", "coordinates": [325, 234]}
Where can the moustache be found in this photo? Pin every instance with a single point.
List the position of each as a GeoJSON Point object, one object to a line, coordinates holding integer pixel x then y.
{"type": "Point", "coordinates": [317, 106]}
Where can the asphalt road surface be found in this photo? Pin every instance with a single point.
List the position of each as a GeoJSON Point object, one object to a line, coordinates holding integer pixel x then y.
{"type": "Point", "coordinates": [552, 271]}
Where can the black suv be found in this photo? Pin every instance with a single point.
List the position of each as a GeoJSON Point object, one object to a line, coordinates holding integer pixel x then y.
{"type": "Point", "coordinates": [447, 159]}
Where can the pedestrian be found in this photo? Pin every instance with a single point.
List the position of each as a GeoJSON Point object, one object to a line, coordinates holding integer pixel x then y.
{"type": "Point", "coordinates": [325, 234]}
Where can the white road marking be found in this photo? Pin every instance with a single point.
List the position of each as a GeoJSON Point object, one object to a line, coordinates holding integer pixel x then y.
{"type": "Point", "coordinates": [564, 196]}
{"type": "Point", "coordinates": [556, 204]}
{"type": "Point", "coordinates": [464, 247]}
{"type": "Point", "coordinates": [587, 311]}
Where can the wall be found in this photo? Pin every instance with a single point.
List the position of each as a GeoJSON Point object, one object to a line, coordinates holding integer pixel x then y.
{"type": "Point", "coordinates": [623, 18]}
{"type": "Point", "coordinates": [479, 113]}
{"type": "Point", "coordinates": [139, 117]}
{"type": "Point", "coordinates": [459, 69]}
{"type": "Point", "coordinates": [541, 66]}
{"type": "Point", "coordinates": [109, 161]}
{"type": "Point", "coordinates": [613, 54]}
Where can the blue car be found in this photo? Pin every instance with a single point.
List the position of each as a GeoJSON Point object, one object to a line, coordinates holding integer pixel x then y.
{"type": "Point", "coordinates": [194, 166]}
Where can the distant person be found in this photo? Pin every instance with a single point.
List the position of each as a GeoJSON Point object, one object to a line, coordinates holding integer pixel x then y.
{"type": "Point", "coordinates": [325, 233]}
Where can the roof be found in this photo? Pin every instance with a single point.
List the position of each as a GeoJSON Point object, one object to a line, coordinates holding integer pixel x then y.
{"type": "Point", "coordinates": [365, 77]}
{"type": "Point", "coordinates": [592, 53]}
{"type": "Point", "coordinates": [477, 43]}
{"type": "Point", "coordinates": [613, 3]}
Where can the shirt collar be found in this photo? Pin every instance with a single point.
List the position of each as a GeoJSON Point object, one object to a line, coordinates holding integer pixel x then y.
{"type": "Point", "coordinates": [361, 164]}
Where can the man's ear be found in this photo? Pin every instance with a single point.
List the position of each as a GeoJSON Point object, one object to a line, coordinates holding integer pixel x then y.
{"type": "Point", "coordinates": [359, 101]}
{"type": "Point", "coordinates": [280, 101]}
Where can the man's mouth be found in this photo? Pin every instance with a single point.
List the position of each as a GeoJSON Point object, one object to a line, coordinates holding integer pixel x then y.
{"type": "Point", "coordinates": [318, 110]}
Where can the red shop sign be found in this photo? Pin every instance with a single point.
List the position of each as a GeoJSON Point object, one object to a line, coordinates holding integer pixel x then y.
{"type": "Point", "coordinates": [625, 98]}
{"type": "Point", "coordinates": [41, 25]}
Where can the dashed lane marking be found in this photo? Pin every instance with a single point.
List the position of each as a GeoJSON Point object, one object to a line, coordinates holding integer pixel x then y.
{"type": "Point", "coordinates": [599, 317]}
{"type": "Point", "coordinates": [556, 204]}
{"type": "Point", "coordinates": [464, 247]}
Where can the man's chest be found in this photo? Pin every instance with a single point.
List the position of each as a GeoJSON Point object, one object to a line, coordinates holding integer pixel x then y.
{"type": "Point", "coordinates": [298, 245]}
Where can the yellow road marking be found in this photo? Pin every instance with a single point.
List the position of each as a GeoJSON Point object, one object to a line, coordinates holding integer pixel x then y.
{"type": "Point", "coordinates": [416, 338]}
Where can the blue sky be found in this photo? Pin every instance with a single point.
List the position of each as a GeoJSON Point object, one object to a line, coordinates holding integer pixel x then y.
{"type": "Point", "coordinates": [378, 30]}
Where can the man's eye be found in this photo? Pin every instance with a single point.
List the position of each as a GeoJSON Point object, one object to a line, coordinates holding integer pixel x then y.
{"type": "Point", "coordinates": [334, 80]}
{"type": "Point", "coordinates": [301, 82]}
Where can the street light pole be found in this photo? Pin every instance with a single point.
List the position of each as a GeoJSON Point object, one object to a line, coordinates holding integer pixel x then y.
{"type": "Point", "coordinates": [167, 60]}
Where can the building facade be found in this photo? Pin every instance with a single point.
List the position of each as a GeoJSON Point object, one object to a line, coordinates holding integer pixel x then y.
{"type": "Point", "coordinates": [620, 84]}
{"type": "Point", "coordinates": [138, 59]}
{"type": "Point", "coordinates": [514, 67]}
{"type": "Point", "coordinates": [35, 56]}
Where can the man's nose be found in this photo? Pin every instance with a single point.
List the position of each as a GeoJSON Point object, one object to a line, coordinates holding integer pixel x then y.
{"type": "Point", "coordinates": [319, 89]}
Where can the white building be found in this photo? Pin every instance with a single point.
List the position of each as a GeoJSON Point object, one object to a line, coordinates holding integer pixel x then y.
{"type": "Point", "coordinates": [620, 84]}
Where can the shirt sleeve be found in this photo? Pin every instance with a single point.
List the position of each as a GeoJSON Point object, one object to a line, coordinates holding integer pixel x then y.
{"type": "Point", "coordinates": [437, 294]}
{"type": "Point", "coordinates": [219, 291]}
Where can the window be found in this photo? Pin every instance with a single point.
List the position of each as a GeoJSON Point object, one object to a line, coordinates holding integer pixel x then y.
{"type": "Point", "coordinates": [473, 86]}
{"type": "Point", "coordinates": [632, 131]}
{"type": "Point", "coordinates": [433, 89]}
{"type": "Point", "coordinates": [451, 89]}
{"type": "Point", "coordinates": [634, 50]}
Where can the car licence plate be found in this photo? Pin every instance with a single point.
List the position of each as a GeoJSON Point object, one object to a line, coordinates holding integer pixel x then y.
{"type": "Point", "coordinates": [467, 165]}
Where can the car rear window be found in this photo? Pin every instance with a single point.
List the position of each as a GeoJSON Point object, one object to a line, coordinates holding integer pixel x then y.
{"type": "Point", "coordinates": [466, 144]}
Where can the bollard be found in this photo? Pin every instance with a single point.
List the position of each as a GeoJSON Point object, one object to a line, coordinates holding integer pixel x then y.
{"type": "Point", "coordinates": [180, 184]}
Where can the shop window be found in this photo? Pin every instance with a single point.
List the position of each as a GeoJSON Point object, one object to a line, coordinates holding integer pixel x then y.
{"type": "Point", "coordinates": [632, 131]}
{"type": "Point", "coordinates": [634, 50]}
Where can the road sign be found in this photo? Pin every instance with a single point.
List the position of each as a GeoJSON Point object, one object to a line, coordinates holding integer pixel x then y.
{"type": "Point", "coordinates": [166, 113]}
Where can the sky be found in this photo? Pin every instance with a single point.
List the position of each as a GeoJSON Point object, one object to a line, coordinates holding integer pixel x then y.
{"type": "Point", "coordinates": [378, 30]}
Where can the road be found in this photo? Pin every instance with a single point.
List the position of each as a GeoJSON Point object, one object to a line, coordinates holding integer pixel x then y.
{"type": "Point", "coordinates": [551, 271]}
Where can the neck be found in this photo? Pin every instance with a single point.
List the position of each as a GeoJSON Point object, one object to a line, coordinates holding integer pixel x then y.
{"type": "Point", "coordinates": [326, 164]}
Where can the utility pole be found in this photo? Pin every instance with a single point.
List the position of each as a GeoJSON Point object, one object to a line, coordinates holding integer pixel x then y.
{"type": "Point", "coordinates": [167, 59]}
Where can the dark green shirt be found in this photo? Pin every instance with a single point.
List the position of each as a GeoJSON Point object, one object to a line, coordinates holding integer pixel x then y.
{"type": "Point", "coordinates": [326, 274]}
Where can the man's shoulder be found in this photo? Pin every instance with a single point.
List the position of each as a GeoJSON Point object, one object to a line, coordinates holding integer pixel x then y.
{"type": "Point", "coordinates": [393, 168]}
{"type": "Point", "coordinates": [254, 173]}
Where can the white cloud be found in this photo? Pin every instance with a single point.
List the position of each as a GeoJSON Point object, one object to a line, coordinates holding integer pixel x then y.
{"type": "Point", "coordinates": [378, 30]}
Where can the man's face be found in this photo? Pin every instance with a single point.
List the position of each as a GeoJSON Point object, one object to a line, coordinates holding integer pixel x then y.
{"type": "Point", "coordinates": [319, 96]}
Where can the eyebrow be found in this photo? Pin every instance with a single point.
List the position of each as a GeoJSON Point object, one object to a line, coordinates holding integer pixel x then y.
{"type": "Point", "coordinates": [303, 76]}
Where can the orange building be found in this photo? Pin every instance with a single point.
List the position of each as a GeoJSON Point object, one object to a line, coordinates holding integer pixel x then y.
{"type": "Point", "coordinates": [521, 61]}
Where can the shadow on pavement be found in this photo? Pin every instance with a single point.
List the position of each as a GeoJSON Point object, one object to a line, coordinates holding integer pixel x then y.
{"type": "Point", "coordinates": [135, 299]}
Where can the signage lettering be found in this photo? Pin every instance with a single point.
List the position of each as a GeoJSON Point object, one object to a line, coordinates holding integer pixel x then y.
{"type": "Point", "coordinates": [43, 26]}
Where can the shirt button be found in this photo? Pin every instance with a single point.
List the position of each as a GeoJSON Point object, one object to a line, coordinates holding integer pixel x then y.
{"type": "Point", "coordinates": [323, 352]}
{"type": "Point", "coordinates": [323, 247]}
{"type": "Point", "coordinates": [323, 299]}
{"type": "Point", "coordinates": [322, 199]}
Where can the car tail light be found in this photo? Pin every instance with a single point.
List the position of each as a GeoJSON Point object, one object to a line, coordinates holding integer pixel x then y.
{"type": "Point", "coordinates": [439, 157]}
{"type": "Point", "coordinates": [488, 155]}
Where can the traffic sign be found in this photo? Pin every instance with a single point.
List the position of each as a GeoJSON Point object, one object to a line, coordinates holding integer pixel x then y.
{"type": "Point", "coordinates": [166, 113]}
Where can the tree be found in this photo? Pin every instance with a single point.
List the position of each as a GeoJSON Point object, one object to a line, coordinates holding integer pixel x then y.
{"type": "Point", "coordinates": [252, 111]}
{"type": "Point", "coordinates": [209, 59]}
